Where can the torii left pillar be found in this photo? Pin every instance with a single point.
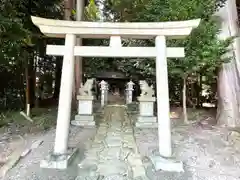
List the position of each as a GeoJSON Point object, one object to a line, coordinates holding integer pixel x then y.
{"type": "Point", "coordinates": [62, 155]}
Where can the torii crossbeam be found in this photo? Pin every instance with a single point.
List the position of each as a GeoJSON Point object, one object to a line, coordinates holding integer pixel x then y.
{"type": "Point", "coordinates": [115, 31]}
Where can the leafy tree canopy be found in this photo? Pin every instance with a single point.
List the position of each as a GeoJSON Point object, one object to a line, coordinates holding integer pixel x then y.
{"type": "Point", "coordinates": [203, 49]}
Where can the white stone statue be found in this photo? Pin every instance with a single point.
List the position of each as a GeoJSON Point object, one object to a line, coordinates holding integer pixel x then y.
{"type": "Point", "coordinates": [103, 85]}
{"type": "Point", "coordinates": [130, 85]}
{"type": "Point", "coordinates": [146, 90]}
{"type": "Point", "coordinates": [104, 92]}
{"type": "Point", "coordinates": [129, 92]}
{"type": "Point", "coordinates": [86, 89]}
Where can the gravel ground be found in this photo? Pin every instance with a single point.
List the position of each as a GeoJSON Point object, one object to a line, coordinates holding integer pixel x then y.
{"type": "Point", "coordinates": [28, 168]}
{"type": "Point", "coordinates": [206, 154]}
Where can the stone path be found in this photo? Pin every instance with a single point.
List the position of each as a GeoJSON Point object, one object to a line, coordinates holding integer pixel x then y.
{"type": "Point", "coordinates": [113, 154]}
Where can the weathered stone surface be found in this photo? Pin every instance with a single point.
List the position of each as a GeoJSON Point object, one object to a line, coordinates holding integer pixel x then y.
{"type": "Point", "coordinates": [88, 169]}
{"type": "Point", "coordinates": [128, 137]}
{"type": "Point", "coordinates": [97, 147]}
{"type": "Point", "coordinates": [146, 125]}
{"type": "Point", "coordinates": [113, 142]}
{"type": "Point", "coordinates": [134, 161]}
{"type": "Point", "coordinates": [128, 145]}
{"type": "Point", "coordinates": [138, 171]}
{"type": "Point", "coordinates": [141, 178]}
{"type": "Point", "coordinates": [112, 167]}
{"type": "Point", "coordinates": [114, 149]}
{"type": "Point", "coordinates": [110, 153]}
{"type": "Point", "coordinates": [59, 162]}
{"type": "Point", "coordinates": [171, 165]}
{"type": "Point", "coordinates": [125, 152]}
{"type": "Point", "coordinates": [84, 120]}
{"type": "Point", "coordinates": [88, 178]}
{"type": "Point", "coordinates": [88, 162]}
{"type": "Point", "coordinates": [91, 156]}
{"type": "Point", "coordinates": [99, 139]}
{"type": "Point", "coordinates": [147, 119]}
{"type": "Point", "coordinates": [88, 173]}
{"type": "Point", "coordinates": [102, 132]}
{"type": "Point", "coordinates": [36, 144]}
{"type": "Point", "coordinates": [25, 152]}
{"type": "Point", "coordinates": [146, 159]}
{"type": "Point", "coordinates": [115, 177]}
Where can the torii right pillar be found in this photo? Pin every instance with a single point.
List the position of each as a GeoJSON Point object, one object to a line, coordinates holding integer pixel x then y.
{"type": "Point", "coordinates": [163, 160]}
{"type": "Point", "coordinates": [163, 108]}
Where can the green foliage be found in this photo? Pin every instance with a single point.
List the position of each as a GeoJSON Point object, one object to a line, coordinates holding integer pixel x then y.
{"type": "Point", "coordinates": [204, 51]}
{"type": "Point", "coordinates": [12, 32]}
{"type": "Point", "coordinates": [19, 40]}
{"type": "Point", "coordinates": [122, 10]}
{"type": "Point", "coordinates": [174, 10]}
{"type": "Point", "coordinates": [92, 12]}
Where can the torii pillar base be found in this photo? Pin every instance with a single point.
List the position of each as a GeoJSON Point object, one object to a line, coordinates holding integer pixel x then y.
{"type": "Point", "coordinates": [53, 161]}
{"type": "Point", "coordinates": [166, 164]}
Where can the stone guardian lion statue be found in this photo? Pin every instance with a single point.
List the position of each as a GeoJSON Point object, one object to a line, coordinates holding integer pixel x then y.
{"type": "Point", "coordinates": [86, 89]}
{"type": "Point", "coordinates": [146, 90]}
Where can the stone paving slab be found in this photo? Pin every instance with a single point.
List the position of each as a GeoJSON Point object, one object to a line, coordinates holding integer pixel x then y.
{"type": "Point", "coordinates": [116, 157]}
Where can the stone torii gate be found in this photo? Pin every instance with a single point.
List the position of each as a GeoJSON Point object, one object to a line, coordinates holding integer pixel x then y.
{"type": "Point", "coordinates": [115, 31]}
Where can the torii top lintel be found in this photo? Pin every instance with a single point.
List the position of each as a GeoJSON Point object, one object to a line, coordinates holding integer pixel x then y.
{"type": "Point", "coordinates": [145, 30]}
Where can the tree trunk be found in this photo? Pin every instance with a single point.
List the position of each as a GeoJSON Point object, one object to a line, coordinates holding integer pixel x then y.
{"type": "Point", "coordinates": [41, 53]}
{"type": "Point", "coordinates": [199, 91]}
{"type": "Point", "coordinates": [22, 77]}
{"type": "Point", "coordinates": [67, 9]}
{"type": "Point", "coordinates": [228, 113]}
{"type": "Point", "coordinates": [193, 95]}
{"type": "Point", "coordinates": [78, 60]}
{"type": "Point", "coordinates": [27, 89]}
{"type": "Point", "coordinates": [32, 78]}
{"type": "Point", "coordinates": [68, 6]}
{"type": "Point", "coordinates": [185, 116]}
{"type": "Point", "coordinates": [58, 73]}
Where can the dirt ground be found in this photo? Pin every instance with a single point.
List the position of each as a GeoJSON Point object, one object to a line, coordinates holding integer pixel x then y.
{"type": "Point", "coordinates": [206, 154]}
{"type": "Point", "coordinates": [207, 151]}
